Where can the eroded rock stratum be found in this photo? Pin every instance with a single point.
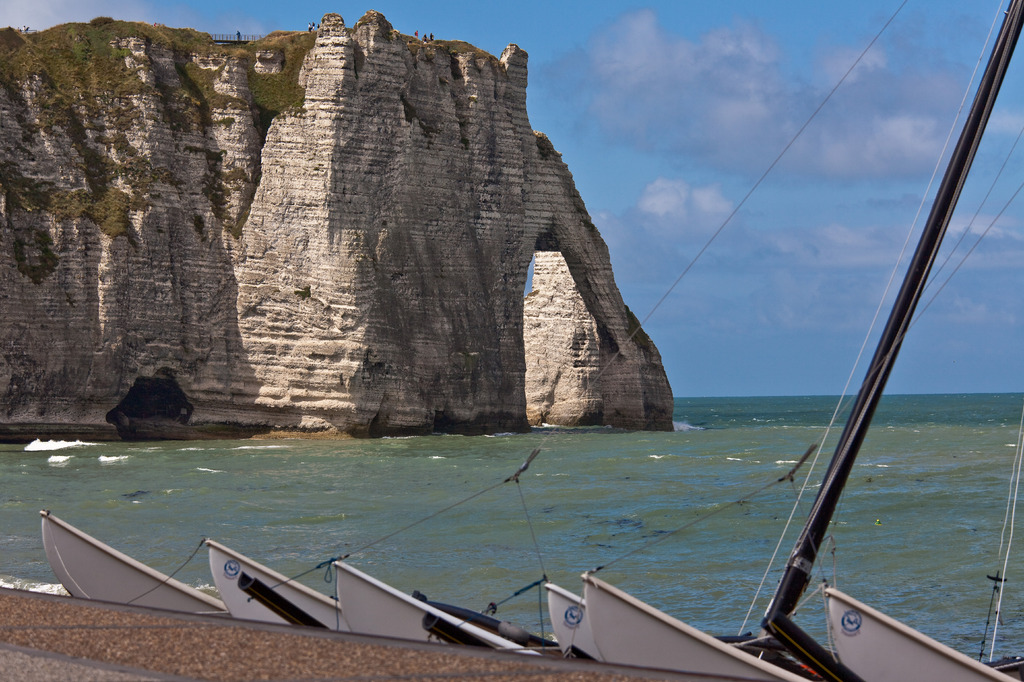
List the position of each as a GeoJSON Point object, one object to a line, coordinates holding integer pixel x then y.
{"type": "Point", "coordinates": [326, 231]}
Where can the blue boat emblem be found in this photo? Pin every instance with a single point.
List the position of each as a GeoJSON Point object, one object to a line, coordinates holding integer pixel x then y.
{"type": "Point", "coordinates": [851, 622]}
{"type": "Point", "coordinates": [232, 569]}
{"type": "Point", "coordinates": [573, 616]}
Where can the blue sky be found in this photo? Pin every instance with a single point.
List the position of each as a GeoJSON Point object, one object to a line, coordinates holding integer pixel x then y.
{"type": "Point", "coordinates": [668, 111]}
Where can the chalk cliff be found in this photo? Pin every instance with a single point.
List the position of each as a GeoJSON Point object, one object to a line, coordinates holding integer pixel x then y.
{"type": "Point", "coordinates": [318, 232]}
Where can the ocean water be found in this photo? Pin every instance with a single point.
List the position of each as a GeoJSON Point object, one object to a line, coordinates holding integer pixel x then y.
{"type": "Point", "coordinates": [916, 534]}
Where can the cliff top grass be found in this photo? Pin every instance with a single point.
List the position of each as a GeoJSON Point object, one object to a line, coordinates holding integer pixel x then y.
{"type": "Point", "coordinates": [274, 93]}
{"type": "Point", "coordinates": [81, 55]}
{"type": "Point", "coordinates": [80, 63]}
{"type": "Point", "coordinates": [452, 47]}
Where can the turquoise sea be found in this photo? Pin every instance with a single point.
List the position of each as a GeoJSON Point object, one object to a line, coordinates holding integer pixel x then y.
{"type": "Point", "coordinates": [917, 533]}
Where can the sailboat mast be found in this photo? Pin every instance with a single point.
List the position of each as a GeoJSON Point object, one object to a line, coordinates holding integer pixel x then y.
{"type": "Point", "coordinates": [798, 569]}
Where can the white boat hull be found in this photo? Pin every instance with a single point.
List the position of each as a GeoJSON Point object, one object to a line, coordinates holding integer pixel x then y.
{"type": "Point", "coordinates": [89, 569]}
{"type": "Point", "coordinates": [568, 613]}
{"type": "Point", "coordinates": [229, 566]}
{"type": "Point", "coordinates": [880, 648]}
{"type": "Point", "coordinates": [627, 631]}
{"type": "Point", "coordinates": [375, 608]}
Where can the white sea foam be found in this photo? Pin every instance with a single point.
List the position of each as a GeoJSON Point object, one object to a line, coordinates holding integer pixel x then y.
{"type": "Point", "coordinates": [12, 583]}
{"type": "Point", "coordinates": [656, 456]}
{"type": "Point", "coordinates": [734, 459]}
{"type": "Point", "coordinates": [212, 471]}
{"type": "Point", "coordinates": [438, 457]}
{"type": "Point", "coordinates": [260, 447]}
{"type": "Point", "coordinates": [40, 446]}
{"type": "Point", "coordinates": [58, 460]}
{"type": "Point", "coordinates": [104, 459]}
{"type": "Point", "coordinates": [685, 426]}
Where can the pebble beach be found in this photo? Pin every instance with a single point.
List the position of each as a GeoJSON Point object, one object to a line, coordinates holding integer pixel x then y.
{"type": "Point", "coordinates": [46, 637]}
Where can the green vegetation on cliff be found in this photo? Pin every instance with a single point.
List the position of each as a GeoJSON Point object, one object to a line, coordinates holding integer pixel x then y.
{"type": "Point", "coordinates": [79, 84]}
{"type": "Point", "coordinates": [273, 93]}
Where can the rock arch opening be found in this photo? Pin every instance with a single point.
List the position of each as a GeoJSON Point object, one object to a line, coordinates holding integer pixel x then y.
{"type": "Point", "coordinates": [562, 344]}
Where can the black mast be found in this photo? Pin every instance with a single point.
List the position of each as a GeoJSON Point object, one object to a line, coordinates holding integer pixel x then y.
{"type": "Point", "coordinates": [798, 569]}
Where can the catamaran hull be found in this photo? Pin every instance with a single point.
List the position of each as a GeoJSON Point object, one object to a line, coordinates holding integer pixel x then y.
{"type": "Point", "coordinates": [89, 569]}
{"type": "Point", "coordinates": [375, 608]}
{"type": "Point", "coordinates": [568, 613]}
{"type": "Point", "coordinates": [882, 649]}
{"type": "Point", "coordinates": [230, 568]}
{"type": "Point", "coordinates": [627, 631]}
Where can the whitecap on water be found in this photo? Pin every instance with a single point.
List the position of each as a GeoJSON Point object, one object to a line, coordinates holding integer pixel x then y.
{"type": "Point", "coordinates": [212, 471]}
{"type": "Point", "coordinates": [684, 426]}
{"type": "Point", "coordinates": [260, 447]}
{"type": "Point", "coordinates": [58, 460]}
{"type": "Point", "coordinates": [656, 456]}
{"type": "Point", "coordinates": [438, 457]}
{"type": "Point", "coordinates": [39, 445]}
{"type": "Point", "coordinates": [104, 459]}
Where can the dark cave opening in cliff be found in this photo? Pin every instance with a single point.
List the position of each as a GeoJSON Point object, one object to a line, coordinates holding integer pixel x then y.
{"type": "Point", "coordinates": [158, 398]}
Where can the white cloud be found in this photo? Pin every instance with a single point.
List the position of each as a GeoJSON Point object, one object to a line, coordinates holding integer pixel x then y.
{"type": "Point", "coordinates": [837, 61]}
{"type": "Point", "coordinates": [678, 200]}
{"type": "Point", "coordinates": [724, 100]}
{"type": "Point", "coordinates": [1007, 122]}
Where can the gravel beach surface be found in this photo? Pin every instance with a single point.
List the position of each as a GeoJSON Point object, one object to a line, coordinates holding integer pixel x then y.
{"type": "Point", "coordinates": [47, 637]}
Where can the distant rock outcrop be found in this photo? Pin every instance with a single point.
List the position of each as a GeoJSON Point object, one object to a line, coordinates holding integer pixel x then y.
{"type": "Point", "coordinates": [342, 246]}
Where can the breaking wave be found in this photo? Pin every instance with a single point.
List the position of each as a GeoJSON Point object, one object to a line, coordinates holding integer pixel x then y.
{"type": "Point", "coordinates": [41, 446]}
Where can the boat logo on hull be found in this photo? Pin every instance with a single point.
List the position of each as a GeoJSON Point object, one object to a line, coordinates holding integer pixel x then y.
{"type": "Point", "coordinates": [851, 622]}
{"type": "Point", "coordinates": [573, 616]}
{"type": "Point", "coordinates": [232, 569]}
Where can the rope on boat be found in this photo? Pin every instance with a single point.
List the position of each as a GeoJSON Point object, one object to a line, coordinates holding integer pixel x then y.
{"type": "Point", "coordinates": [168, 578]}
{"type": "Point", "coordinates": [514, 477]}
{"type": "Point", "coordinates": [788, 476]}
{"type": "Point", "coordinates": [536, 546]}
{"type": "Point", "coordinates": [492, 608]}
{"type": "Point", "coordinates": [328, 564]}
{"type": "Point", "coordinates": [996, 584]}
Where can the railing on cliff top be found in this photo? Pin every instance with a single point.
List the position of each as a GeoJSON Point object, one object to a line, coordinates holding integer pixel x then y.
{"type": "Point", "coordinates": [235, 37]}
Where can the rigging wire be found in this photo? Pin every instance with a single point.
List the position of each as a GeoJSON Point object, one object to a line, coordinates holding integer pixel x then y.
{"type": "Point", "coordinates": [514, 477]}
{"type": "Point", "coordinates": [329, 563]}
{"type": "Point", "coordinates": [1008, 526]}
{"type": "Point", "coordinates": [888, 287]}
{"type": "Point", "coordinates": [983, 234]}
{"type": "Point", "coordinates": [788, 476]}
{"type": "Point", "coordinates": [769, 169]}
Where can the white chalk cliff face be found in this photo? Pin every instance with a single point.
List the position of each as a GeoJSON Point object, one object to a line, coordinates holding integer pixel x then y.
{"type": "Point", "coordinates": [362, 272]}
